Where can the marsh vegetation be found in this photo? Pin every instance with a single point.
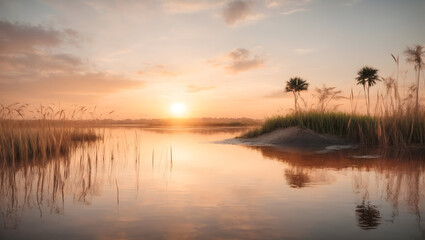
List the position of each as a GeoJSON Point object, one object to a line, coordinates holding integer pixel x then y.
{"type": "Point", "coordinates": [51, 135]}
{"type": "Point", "coordinates": [397, 120]}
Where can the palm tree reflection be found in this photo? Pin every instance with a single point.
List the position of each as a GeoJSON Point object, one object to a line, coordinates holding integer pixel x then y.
{"type": "Point", "coordinates": [296, 179]}
{"type": "Point", "coordinates": [368, 216]}
{"type": "Point", "coordinates": [398, 178]}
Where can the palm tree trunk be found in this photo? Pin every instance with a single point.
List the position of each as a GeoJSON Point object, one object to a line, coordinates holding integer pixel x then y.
{"type": "Point", "coordinates": [417, 89]}
{"type": "Point", "coordinates": [365, 98]}
{"type": "Point", "coordinates": [368, 101]}
{"type": "Point", "coordinates": [295, 101]}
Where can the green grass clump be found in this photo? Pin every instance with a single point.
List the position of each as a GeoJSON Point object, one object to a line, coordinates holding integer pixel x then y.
{"type": "Point", "coordinates": [395, 130]}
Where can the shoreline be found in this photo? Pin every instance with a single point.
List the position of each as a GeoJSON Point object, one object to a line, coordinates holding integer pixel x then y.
{"type": "Point", "coordinates": [295, 139]}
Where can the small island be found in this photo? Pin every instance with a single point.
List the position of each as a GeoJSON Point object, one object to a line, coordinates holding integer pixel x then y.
{"type": "Point", "coordinates": [397, 121]}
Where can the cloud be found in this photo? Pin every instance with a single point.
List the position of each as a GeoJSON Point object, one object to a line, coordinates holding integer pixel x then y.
{"type": "Point", "coordinates": [32, 66]}
{"type": "Point", "coordinates": [242, 60]}
{"type": "Point", "coordinates": [28, 52]}
{"type": "Point", "coordinates": [188, 6]}
{"type": "Point", "coordinates": [194, 88]}
{"type": "Point", "coordinates": [238, 11]}
{"type": "Point", "coordinates": [289, 12]}
{"type": "Point", "coordinates": [288, 7]}
{"type": "Point", "coordinates": [158, 70]}
{"type": "Point", "coordinates": [272, 3]}
{"type": "Point", "coordinates": [238, 60]}
{"type": "Point", "coordinates": [95, 83]}
{"type": "Point", "coordinates": [103, 6]}
{"type": "Point", "coordinates": [21, 38]}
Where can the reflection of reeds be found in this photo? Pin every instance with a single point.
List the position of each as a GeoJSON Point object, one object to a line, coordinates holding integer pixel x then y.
{"type": "Point", "coordinates": [166, 157]}
{"type": "Point", "coordinates": [296, 179]}
{"type": "Point", "coordinates": [35, 165]}
{"type": "Point", "coordinates": [34, 157]}
{"type": "Point", "coordinates": [78, 176]}
{"type": "Point", "coordinates": [396, 181]}
{"type": "Point", "coordinates": [397, 178]}
{"type": "Point", "coordinates": [46, 182]}
{"type": "Point", "coordinates": [32, 185]}
{"type": "Point", "coordinates": [118, 192]}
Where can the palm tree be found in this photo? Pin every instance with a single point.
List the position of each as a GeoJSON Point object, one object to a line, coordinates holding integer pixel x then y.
{"type": "Point", "coordinates": [367, 76]}
{"type": "Point", "coordinates": [415, 55]}
{"type": "Point", "coordinates": [296, 85]}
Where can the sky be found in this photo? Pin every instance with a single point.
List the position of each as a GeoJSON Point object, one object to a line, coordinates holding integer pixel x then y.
{"type": "Point", "coordinates": [222, 58]}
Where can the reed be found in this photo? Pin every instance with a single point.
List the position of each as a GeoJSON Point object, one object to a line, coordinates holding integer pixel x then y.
{"type": "Point", "coordinates": [31, 140]}
{"type": "Point", "coordinates": [392, 130]}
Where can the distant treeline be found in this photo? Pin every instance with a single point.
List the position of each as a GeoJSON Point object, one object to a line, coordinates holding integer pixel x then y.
{"type": "Point", "coordinates": [192, 122]}
{"type": "Point", "coordinates": [160, 122]}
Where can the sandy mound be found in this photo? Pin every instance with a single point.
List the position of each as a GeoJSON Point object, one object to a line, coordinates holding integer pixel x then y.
{"type": "Point", "coordinates": [294, 137]}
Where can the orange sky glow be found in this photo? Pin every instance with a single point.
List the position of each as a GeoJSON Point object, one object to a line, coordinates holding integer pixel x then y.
{"type": "Point", "coordinates": [225, 58]}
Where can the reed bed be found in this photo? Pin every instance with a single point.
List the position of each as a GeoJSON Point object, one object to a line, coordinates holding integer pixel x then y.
{"type": "Point", "coordinates": [40, 139]}
{"type": "Point", "coordinates": [393, 130]}
{"type": "Point", "coordinates": [397, 121]}
{"type": "Point", "coordinates": [51, 135]}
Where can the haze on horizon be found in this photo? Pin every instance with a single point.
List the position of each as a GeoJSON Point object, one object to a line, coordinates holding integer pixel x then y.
{"type": "Point", "coordinates": [224, 58]}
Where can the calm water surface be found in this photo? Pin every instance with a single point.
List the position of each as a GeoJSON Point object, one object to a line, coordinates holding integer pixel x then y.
{"type": "Point", "coordinates": [180, 184]}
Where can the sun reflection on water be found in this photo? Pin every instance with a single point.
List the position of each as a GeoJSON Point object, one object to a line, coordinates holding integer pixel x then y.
{"type": "Point", "coordinates": [179, 184]}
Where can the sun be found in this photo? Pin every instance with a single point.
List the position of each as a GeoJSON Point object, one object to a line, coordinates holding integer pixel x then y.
{"type": "Point", "coordinates": [178, 109]}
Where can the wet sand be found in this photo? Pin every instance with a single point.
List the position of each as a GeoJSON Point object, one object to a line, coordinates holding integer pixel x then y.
{"type": "Point", "coordinates": [294, 138]}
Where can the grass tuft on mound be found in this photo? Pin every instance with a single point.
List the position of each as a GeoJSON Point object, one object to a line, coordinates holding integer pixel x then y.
{"type": "Point", "coordinates": [397, 130]}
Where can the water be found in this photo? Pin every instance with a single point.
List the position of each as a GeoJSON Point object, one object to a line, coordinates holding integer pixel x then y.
{"type": "Point", "coordinates": [180, 184]}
